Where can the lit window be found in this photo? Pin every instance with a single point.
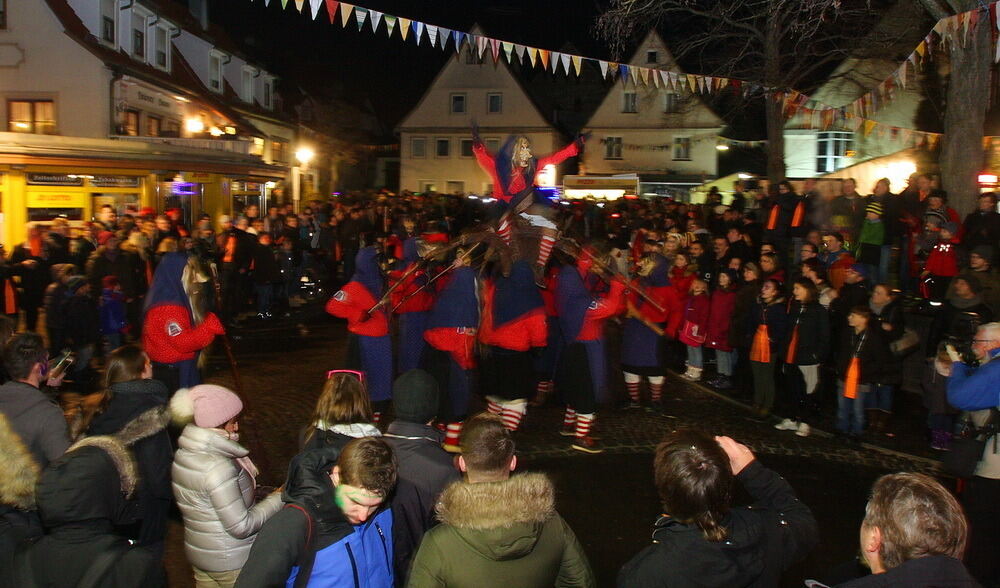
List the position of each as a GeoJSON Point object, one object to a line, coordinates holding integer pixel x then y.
{"type": "Point", "coordinates": [109, 13]}
{"type": "Point", "coordinates": [651, 57]}
{"type": "Point", "coordinates": [831, 150]}
{"type": "Point", "coordinates": [31, 116]}
{"type": "Point", "coordinates": [418, 147]}
{"type": "Point", "coordinates": [161, 48]}
{"type": "Point", "coordinates": [215, 72]}
{"type": "Point", "coordinates": [153, 126]}
{"type": "Point", "coordinates": [428, 186]}
{"type": "Point", "coordinates": [671, 102]}
{"type": "Point", "coordinates": [629, 102]}
{"type": "Point", "coordinates": [458, 103]}
{"type": "Point", "coordinates": [494, 103]}
{"type": "Point", "coordinates": [131, 124]}
{"type": "Point", "coordinates": [171, 128]}
{"type": "Point", "coordinates": [257, 147]}
{"type": "Point", "coordinates": [279, 150]}
{"type": "Point", "coordinates": [442, 147]}
{"type": "Point", "coordinates": [682, 148]}
{"type": "Point", "coordinates": [466, 147]}
{"type": "Point", "coordinates": [613, 148]}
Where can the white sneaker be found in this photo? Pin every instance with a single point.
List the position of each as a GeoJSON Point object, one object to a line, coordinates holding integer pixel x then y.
{"type": "Point", "coordinates": [803, 431]}
{"type": "Point", "coordinates": [787, 425]}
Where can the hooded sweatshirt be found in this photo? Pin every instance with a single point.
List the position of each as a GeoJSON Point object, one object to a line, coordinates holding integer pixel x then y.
{"type": "Point", "coordinates": [505, 530]}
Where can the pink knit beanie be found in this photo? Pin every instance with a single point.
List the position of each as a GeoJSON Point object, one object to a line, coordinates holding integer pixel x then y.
{"type": "Point", "coordinates": [214, 405]}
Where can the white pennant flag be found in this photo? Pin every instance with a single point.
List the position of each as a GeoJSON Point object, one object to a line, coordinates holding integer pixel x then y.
{"type": "Point", "coordinates": [376, 18]}
{"type": "Point", "coordinates": [314, 6]}
{"type": "Point", "coordinates": [519, 49]}
{"type": "Point", "coordinates": [554, 61]}
{"type": "Point", "coordinates": [432, 35]}
{"type": "Point", "coordinates": [604, 68]}
{"type": "Point", "coordinates": [390, 24]}
{"type": "Point", "coordinates": [444, 35]}
{"type": "Point", "coordinates": [565, 62]}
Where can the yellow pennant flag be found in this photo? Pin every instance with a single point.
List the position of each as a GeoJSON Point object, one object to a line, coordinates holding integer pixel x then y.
{"type": "Point", "coordinates": [869, 127]}
{"type": "Point", "coordinates": [533, 55]}
{"type": "Point", "coordinates": [577, 62]}
{"type": "Point", "coordinates": [404, 26]}
{"type": "Point", "coordinates": [346, 10]}
{"type": "Point", "coordinates": [299, 3]}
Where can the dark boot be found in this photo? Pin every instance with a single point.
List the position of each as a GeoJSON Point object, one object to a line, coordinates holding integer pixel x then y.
{"type": "Point", "coordinates": [874, 420]}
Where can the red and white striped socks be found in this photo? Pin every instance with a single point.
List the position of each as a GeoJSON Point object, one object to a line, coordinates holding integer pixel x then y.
{"type": "Point", "coordinates": [632, 383]}
{"type": "Point", "coordinates": [504, 229]}
{"type": "Point", "coordinates": [376, 417]}
{"type": "Point", "coordinates": [452, 433]}
{"type": "Point", "coordinates": [584, 422]}
{"type": "Point", "coordinates": [545, 249]}
{"type": "Point", "coordinates": [569, 419]}
{"type": "Point", "coordinates": [656, 388]}
{"type": "Point", "coordinates": [493, 406]}
{"type": "Point", "coordinates": [513, 413]}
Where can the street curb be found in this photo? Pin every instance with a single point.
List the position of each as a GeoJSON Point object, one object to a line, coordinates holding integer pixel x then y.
{"type": "Point", "coordinates": [936, 464]}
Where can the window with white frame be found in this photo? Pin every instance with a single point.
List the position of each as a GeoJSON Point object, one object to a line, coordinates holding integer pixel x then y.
{"type": "Point", "coordinates": [418, 147]}
{"type": "Point", "coordinates": [442, 147]}
{"type": "Point", "coordinates": [246, 81]}
{"type": "Point", "coordinates": [215, 61]}
{"type": "Point", "coordinates": [109, 21]}
{"type": "Point", "coordinates": [457, 102]}
{"type": "Point", "coordinates": [268, 102]}
{"type": "Point", "coordinates": [630, 102]}
{"type": "Point", "coordinates": [465, 147]}
{"type": "Point", "coordinates": [612, 148]}
{"type": "Point", "coordinates": [161, 48]}
{"type": "Point", "coordinates": [494, 103]}
{"type": "Point", "coordinates": [682, 148]}
{"type": "Point", "coordinates": [831, 150]}
{"type": "Point", "coordinates": [671, 102]}
{"type": "Point", "coordinates": [138, 36]}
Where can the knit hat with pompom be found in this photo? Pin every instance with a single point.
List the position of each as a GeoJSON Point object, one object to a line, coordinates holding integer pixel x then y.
{"type": "Point", "coordinates": [208, 405]}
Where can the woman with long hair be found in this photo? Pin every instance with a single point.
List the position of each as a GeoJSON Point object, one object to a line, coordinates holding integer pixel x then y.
{"type": "Point", "coordinates": [767, 324]}
{"type": "Point", "coordinates": [806, 345]}
{"type": "Point", "coordinates": [343, 412]}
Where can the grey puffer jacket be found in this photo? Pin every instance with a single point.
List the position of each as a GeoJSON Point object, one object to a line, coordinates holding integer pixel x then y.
{"type": "Point", "coordinates": [215, 496]}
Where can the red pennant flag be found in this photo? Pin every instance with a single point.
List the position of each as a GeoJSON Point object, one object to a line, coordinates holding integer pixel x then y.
{"type": "Point", "coordinates": [331, 9]}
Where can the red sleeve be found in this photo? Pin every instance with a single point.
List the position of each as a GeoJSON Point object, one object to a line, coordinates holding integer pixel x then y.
{"type": "Point", "coordinates": [559, 156]}
{"type": "Point", "coordinates": [608, 305]}
{"type": "Point", "coordinates": [346, 304]}
{"type": "Point", "coordinates": [352, 303]}
{"type": "Point", "coordinates": [168, 335]}
{"type": "Point", "coordinates": [674, 313]}
{"type": "Point", "coordinates": [489, 165]}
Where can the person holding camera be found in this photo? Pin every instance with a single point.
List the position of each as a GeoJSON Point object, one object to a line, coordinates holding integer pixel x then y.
{"type": "Point", "coordinates": [977, 389]}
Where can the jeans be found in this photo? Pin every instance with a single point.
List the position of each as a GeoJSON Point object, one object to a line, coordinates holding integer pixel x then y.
{"type": "Point", "coordinates": [694, 357]}
{"type": "Point", "coordinates": [851, 411]}
{"type": "Point", "coordinates": [724, 362]}
{"type": "Point", "coordinates": [264, 294]}
{"type": "Point", "coordinates": [880, 398]}
{"type": "Point", "coordinates": [883, 264]}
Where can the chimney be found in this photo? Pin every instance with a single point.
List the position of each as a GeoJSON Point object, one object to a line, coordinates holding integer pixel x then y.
{"type": "Point", "coordinates": [199, 9]}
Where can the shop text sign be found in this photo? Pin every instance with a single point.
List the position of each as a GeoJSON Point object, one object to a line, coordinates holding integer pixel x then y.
{"type": "Point", "coordinates": [54, 180]}
{"type": "Point", "coordinates": [115, 181]}
{"type": "Point", "coordinates": [54, 200]}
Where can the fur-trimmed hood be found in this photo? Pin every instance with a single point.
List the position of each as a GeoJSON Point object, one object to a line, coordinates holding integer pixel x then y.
{"type": "Point", "coordinates": [501, 520]}
{"type": "Point", "coordinates": [17, 484]}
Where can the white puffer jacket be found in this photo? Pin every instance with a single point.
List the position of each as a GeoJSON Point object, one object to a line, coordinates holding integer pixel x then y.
{"type": "Point", "coordinates": [215, 496]}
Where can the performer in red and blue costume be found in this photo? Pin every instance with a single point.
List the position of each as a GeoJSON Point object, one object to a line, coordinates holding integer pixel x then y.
{"type": "Point", "coordinates": [369, 348]}
{"type": "Point", "coordinates": [514, 173]}
{"type": "Point", "coordinates": [174, 329]}
{"type": "Point", "coordinates": [646, 326]}
{"type": "Point", "coordinates": [451, 344]}
{"type": "Point", "coordinates": [582, 371]}
{"type": "Point", "coordinates": [413, 312]}
{"type": "Point", "coordinates": [548, 358]}
{"type": "Point", "coordinates": [513, 325]}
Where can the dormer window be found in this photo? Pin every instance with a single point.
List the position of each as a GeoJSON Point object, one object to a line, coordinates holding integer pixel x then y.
{"type": "Point", "coordinates": [161, 47]}
{"type": "Point", "coordinates": [246, 84]}
{"type": "Point", "coordinates": [215, 61]}
{"type": "Point", "coordinates": [268, 101]}
{"type": "Point", "coordinates": [109, 21]}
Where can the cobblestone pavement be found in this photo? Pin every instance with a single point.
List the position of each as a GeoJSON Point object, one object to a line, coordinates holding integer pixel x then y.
{"type": "Point", "coordinates": [283, 362]}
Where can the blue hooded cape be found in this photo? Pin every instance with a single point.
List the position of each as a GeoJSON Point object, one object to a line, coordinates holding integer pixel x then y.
{"type": "Point", "coordinates": [573, 299]}
{"type": "Point", "coordinates": [167, 288]}
{"type": "Point", "coordinates": [367, 272]}
{"type": "Point", "coordinates": [458, 304]}
{"type": "Point", "coordinates": [515, 295]}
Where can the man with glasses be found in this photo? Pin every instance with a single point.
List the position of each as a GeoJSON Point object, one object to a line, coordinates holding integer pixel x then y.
{"type": "Point", "coordinates": [977, 389]}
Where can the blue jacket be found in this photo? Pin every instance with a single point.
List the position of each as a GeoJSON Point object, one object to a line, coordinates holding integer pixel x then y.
{"type": "Point", "coordinates": [972, 388]}
{"type": "Point", "coordinates": [362, 559]}
{"type": "Point", "coordinates": [112, 312]}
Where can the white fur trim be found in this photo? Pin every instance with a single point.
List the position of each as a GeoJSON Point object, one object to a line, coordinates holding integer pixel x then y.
{"type": "Point", "coordinates": [182, 407]}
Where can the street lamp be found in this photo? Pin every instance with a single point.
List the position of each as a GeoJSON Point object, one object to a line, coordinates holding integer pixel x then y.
{"type": "Point", "coordinates": [194, 125]}
{"type": "Point", "coordinates": [304, 155]}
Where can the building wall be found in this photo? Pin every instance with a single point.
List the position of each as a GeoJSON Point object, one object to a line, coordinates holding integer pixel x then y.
{"type": "Point", "coordinates": [703, 154]}
{"type": "Point", "coordinates": [53, 67]}
{"type": "Point", "coordinates": [416, 171]}
{"type": "Point", "coordinates": [800, 153]}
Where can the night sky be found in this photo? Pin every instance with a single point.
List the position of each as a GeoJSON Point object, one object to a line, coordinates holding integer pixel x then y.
{"type": "Point", "coordinates": [333, 61]}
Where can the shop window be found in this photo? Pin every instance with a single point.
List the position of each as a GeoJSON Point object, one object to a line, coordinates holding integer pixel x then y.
{"type": "Point", "coordinates": [418, 147]}
{"type": "Point", "coordinates": [458, 104]}
{"type": "Point", "coordinates": [171, 128]}
{"type": "Point", "coordinates": [682, 148]}
{"type": "Point", "coordinates": [109, 14]}
{"type": "Point", "coordinates": [494, 103]}
{"type": "Point", "coordinates": [279, 151]}
{"type": "Point", "coordinates": [31, 116]}
{"type": "Point", "coordinates": [154, 126]}
{"type": "Point", "coordinates": [612, 148]}
{"type": "Point", "coordinates": [131, 126]}
{"type": "Point", "coordinates": [442, 147]}
{"type": "Point", "coordinates": [630, 102]}
{"type": "Point", "coordinates": [466, 147]}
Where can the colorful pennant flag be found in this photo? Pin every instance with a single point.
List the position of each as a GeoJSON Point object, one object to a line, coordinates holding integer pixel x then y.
{"type": "Point", "coordinates": [331, 9]}
{"type": "Point", "coordinates": [346, 10]}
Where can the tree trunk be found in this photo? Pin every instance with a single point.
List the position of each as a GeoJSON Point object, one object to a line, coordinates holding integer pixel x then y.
{"type": "Point", "coordinates": [968, 98]}
{"type": "Point", "coordinates": [774, 110]}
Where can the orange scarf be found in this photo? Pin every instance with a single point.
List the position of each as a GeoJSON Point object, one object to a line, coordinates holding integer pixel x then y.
{"type": "Point", "coordinates": [35, 244]}
{"type": "Point", "coordinates": [230, 250]}
{"type": "Point", "coordinates": [793, 346]}
{"type": "Point", "coordinates": [760, 351]}
{"type": "Point", "coordinates": [9, 298]}
{"type": "Point", "coordinates": [800, 212]}
{"type": "Point", "coordinates": [853, 378]}
{"type": "Point", "coordinates": [772, 219]}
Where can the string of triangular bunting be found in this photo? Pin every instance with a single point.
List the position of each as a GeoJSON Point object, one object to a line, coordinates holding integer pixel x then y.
{"type": "Point", "coordinates": [815, 114]}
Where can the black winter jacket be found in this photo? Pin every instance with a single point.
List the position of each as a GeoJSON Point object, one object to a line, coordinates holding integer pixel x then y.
{"type": "Point", "coordinates": [762, 542]}
{"type": "Point", "coordinates": [872, 349]}
{"type": "Point", "coordinates": [934, 571]}
{"type": "Point", "coordinates": [813, 324]}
